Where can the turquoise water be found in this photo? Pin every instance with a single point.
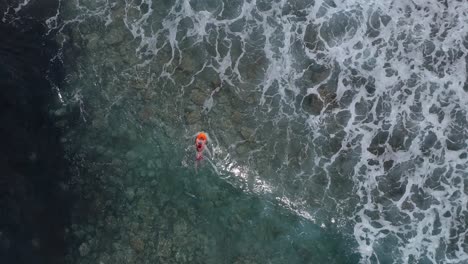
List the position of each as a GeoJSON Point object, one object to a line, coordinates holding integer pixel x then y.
{"type": "Point", "coordinates": [337, 130]}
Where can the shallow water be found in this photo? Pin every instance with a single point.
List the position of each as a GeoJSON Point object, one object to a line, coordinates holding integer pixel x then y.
{"type": "Point", "coordinates": [338, 130]}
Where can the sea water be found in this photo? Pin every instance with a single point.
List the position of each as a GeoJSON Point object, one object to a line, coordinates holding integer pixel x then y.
{"type": "Point", "coordinates": [338, 130]}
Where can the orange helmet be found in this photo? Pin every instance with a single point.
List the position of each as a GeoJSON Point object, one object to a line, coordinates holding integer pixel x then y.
{"type": "Point", "coordinates": [202, 136]}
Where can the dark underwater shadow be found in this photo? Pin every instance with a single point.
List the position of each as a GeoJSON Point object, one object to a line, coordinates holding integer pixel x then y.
{"type": "Point", "coordinates": [34, 201]}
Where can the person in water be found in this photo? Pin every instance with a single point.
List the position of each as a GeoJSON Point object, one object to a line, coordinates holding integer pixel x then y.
{"type": "Point", "coordinates": [200, 144]}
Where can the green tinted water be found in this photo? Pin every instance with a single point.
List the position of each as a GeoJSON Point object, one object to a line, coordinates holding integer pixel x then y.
{"type": "Point", "coordinates": [140, 204]}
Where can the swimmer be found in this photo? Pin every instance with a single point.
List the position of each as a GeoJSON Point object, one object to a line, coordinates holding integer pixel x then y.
{"type": "Point", "coordinates": [200, 144]}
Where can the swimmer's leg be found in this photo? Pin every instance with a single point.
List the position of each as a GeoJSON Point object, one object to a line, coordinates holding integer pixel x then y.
{"type": "Point", "coordinates": [196, 166]}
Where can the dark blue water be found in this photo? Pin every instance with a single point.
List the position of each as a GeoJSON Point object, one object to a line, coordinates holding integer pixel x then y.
{"type": "Point", "coordinates": [34, 208]}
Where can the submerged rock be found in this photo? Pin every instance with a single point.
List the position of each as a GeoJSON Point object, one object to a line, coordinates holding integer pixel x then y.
{"type": "Point", "coordinates": [320, 74]}
{"type": "Point", "coordinates": [84, 249]}
{"type": "Point", "coordinates": [193, 117]}
{"type": "Point", "coordinates": [312, 104]}
{"type": "Point", "coordinates": [164, 248]}
{"type": "Point", "coordinates": [198, 97]}
{"type": "Point", "coordinates": [137, 244]}
{"type": "Point", "coordinates": [131, 155]}
{"type": "Point", "coordinates": [93, 41]}
{"type": "Point", "coordinates": [114, 36]}
{"type": "Point", "coordinates": [130, 192]}
{"type": "Point", "coordinates": [236, 117]}
{"type": "Point", "coordinates": [242, 149]}
{"type": "Point", "coordinates": [247, 133]}
{"type": "Point", "coordinates": [187, 64]}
